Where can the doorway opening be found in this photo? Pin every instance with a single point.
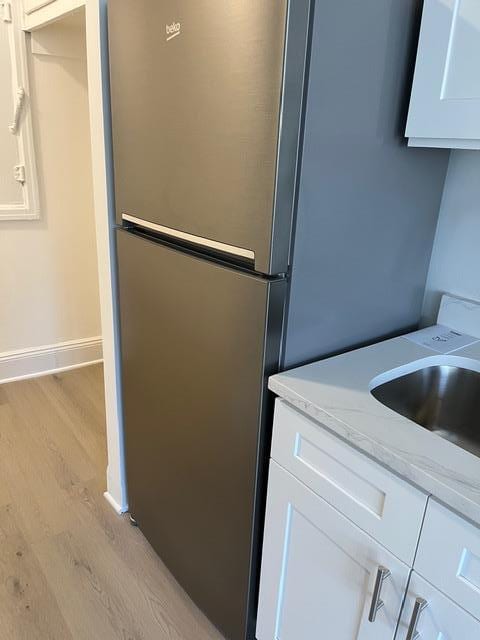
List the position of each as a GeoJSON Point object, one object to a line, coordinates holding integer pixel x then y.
{"type": "Point", "coordinates": [50, 322]}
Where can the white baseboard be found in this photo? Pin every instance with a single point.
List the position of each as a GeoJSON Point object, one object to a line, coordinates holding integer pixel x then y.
{"type": "Point", "coordinates": [113, 503]}
{"type": "Point", "coordinates": [48, 359]}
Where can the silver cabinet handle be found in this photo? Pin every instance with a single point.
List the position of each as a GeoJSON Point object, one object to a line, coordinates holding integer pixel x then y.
{"type": "Point", "coordinates": [377, 603]}
{"type": "Point", "coordinates": [419, 606]}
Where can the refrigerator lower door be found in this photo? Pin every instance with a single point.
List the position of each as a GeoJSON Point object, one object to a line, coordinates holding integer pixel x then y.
{"type": "Point", "coordinates": [198, 339]}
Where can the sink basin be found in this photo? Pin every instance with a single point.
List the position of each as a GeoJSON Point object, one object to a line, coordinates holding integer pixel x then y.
{"type": "Point", "coordinates": [442, 398]}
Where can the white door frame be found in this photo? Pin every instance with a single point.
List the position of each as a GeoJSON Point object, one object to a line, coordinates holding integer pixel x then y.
{"type": "Point", "coordinates": [100, 132]}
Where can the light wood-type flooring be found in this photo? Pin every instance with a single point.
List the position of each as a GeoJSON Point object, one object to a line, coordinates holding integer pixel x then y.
{"type": "Point", "coordinates": [70, 567]}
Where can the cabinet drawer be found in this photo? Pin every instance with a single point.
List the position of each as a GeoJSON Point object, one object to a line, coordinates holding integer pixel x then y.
{"type": "Point", "coordinates": [449, 556]}
{"type": "Point", "coordinates": [384, 506]}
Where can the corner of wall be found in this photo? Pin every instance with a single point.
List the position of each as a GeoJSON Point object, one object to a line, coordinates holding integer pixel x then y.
{"type": "Point", "coordinates": [455, 263]}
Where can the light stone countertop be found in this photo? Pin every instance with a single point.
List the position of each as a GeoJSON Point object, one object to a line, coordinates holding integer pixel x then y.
{"type": "Point", "coordinates": [336, 393]}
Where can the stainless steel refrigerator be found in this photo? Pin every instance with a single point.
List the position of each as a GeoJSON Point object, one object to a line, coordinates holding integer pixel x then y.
{"type": "Point", "coordinates": [269, 212]}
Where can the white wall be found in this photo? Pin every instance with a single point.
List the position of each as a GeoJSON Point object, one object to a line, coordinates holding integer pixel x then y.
{"type": "Point", "coordinates": [48, 270]}
{"type": "Point", "coordinates": [455, 264]}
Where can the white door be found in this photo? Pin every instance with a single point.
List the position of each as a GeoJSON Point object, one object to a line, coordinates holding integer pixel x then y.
{"type": "Point", "coordinates": [319, 571]}
{"type": "Point", "coordinates": [433, 616]}
{"type": "Point", "coordinates": [445, 102]}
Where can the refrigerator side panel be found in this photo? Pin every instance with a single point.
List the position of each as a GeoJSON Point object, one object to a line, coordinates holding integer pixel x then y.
{"type": "Point", "coordinates": [194, 356]}
{"type": "Point", "coordinates": [294, 81]}
{"type": "Point", "coordinates": [368, 204]}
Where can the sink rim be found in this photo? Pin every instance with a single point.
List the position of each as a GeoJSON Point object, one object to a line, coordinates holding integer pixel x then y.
{"type": "Point", "coordinates": [460, 362]}
{"type": "Point", "coordinates": [432, 413]}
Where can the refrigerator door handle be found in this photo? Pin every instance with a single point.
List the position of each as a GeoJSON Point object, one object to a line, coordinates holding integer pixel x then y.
{"type": "Point", "coordinates": [189, 237]}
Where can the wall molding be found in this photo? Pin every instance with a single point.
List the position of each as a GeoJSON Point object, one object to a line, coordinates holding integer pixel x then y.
{"type": "Point", "coordinates": [48, 359]}
{"type": "Point", "coordinates": [24, 167]}
{"type": "Point", "coordinates": [41, 13]}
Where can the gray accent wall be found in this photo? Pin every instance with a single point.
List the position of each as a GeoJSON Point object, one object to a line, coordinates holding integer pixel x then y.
{"type": "Point", "coordinates": [368, 204]}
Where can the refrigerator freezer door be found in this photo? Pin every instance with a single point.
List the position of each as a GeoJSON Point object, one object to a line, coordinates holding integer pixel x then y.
{"type": "Point", "coordinates": [195, 358]}
{"type": "Point", "coordinates": [196, 91]}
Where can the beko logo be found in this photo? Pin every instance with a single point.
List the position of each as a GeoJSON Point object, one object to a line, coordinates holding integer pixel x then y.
{"type": "Point", "coordinates": [173, 30]}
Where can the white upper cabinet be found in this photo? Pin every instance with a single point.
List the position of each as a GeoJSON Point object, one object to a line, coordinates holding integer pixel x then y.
{"type": "Point", "coordinates": [320, 571]}
{"type": "Point", "coordinates": [445, 102]}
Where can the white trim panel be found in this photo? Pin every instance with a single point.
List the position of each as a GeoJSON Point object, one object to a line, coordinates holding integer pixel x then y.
{"type": "Point", "coordinates": [444, 143]}
{"type": "Point", "coordinates": [48, 359]}
{"type": "Point", "coordinates": [49, 12]}
{"type": "Point", "coordinates": [189, 237]}
{"type": "Point", "coordinates": [29, 6]}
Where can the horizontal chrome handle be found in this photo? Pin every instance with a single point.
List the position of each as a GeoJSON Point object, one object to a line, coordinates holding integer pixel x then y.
{"type": "Point", "coordinates": [377, 603]}
{"type": "Point", "coordinates": [419, 606]}
{"type": "Point", "coordinates": [189, 237]}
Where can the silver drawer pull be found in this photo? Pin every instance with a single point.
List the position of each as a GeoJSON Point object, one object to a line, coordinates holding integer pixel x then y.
{"type": "Point", "coordinates": [377, 603]}
{"type": "Point", "coordinates": [420, 605]}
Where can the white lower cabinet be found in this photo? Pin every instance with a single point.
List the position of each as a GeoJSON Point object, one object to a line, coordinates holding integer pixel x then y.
{"type": "Point", "coordinates": [319, 571]}
{"type": "Point", "coordinates": [449, 556]}
{"type": "Point", "coordinates": [433, 616]}
{"type": "Point", "coordinates": [334, 565]}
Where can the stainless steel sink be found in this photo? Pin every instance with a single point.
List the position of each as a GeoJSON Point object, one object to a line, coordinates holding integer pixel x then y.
{"type": "Point", "coordinates": [444, 399]}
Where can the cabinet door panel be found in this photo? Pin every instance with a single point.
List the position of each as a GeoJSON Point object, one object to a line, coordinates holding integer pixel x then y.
{"type": "Point", "coordinates": [445, 99]}
{"type": "Point", "coordinates": [319, 570]}
{"type": "Point", "coordinates": [449, 556]}
{"type": "Point", "coordinates": [442, 619]}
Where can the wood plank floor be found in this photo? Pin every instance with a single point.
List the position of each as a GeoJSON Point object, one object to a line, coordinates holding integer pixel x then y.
{"type": "Point", "coordinates": [70, 568]}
